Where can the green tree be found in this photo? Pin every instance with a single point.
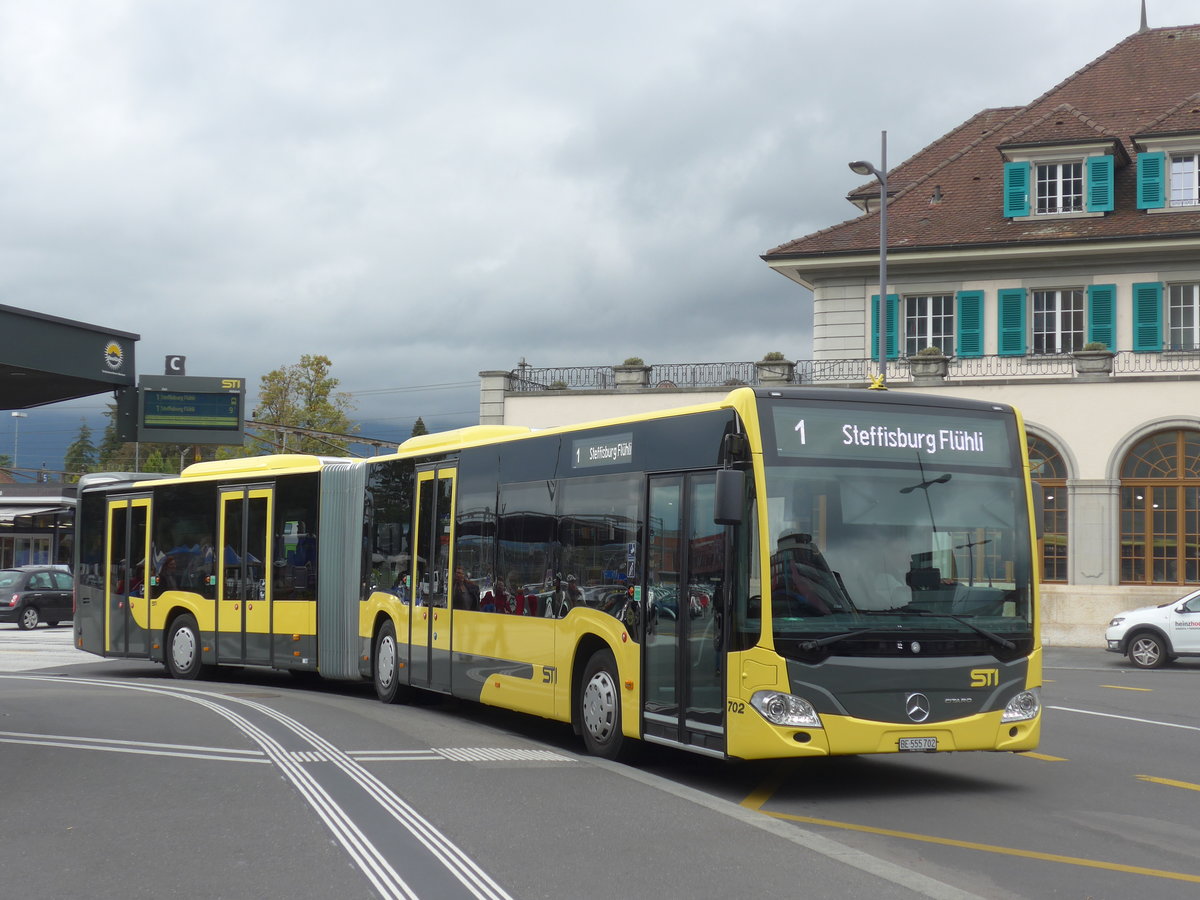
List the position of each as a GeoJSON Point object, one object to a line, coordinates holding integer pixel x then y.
{"type": "Point", "coordinates": [419, 428]}
{"type": "Point", "coordinates": [303, 396]}
{"type": "Point", "coordinates": [82, 455]}
{"type": "Point", "coordinates": [156, 462]}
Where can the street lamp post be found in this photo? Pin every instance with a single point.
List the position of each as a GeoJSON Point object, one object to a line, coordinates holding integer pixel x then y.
{"type": "Point", "coordinates": [861, 167]}
{"type": "Point", "coordinates": [17, 417]}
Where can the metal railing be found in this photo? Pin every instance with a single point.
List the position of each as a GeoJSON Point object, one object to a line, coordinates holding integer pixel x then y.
{"type": "Point", "coordinates": [527, 378]}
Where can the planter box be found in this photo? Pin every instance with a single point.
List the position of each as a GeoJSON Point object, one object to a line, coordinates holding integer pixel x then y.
{"type": "Point", "coordinates": [1096, 363]}
{"type": "Point", "coordinates": [775, 371]}
{"type": "Point", "coordinates": [928, 369]}
{"type": "Point", "coordinates": [631, 378]}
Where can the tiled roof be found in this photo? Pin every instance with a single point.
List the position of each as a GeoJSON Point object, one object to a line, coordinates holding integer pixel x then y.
{"type": "Point", "coordinates": [1147, 84]}
{"type": "Point", "coordinates": [1062, 125]}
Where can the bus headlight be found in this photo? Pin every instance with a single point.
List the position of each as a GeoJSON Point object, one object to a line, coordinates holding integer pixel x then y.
{"type": "Point", "coordinates": [779, 708]}
{"type": "Point", "coordinates": [1026, 705]}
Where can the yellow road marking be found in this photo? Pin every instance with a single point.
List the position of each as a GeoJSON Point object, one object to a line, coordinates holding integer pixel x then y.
{"type": "Point", "coordinates": [992, 848]}
{"type": "Point", "coordinates": [1044, 757]}
{"type": "Point", "coordinates": [762, 793]}
{"type": "Point", "coordinates": [1121, 687]}
{"type": "Point", "coordinates": [1167, 781]}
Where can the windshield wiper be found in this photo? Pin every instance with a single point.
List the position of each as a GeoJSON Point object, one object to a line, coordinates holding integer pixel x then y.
{"type": "Point", "coordinates": [991, 636]}
{"type": "Point", "coordinates": [834, 638]}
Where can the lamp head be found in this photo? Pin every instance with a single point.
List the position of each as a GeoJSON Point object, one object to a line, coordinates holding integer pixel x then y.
{"type": "Point", "coordinates": [861, 167]}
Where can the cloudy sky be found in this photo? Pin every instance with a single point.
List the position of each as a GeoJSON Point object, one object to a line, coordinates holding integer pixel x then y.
{"type": "Point", "coordinates": [422, 191]}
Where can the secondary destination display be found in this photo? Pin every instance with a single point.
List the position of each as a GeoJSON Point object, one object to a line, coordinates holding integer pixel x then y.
{"type": "Point", "coordinates": [610, 450]}
{"type": "Point", "coordinates": [861, 432]}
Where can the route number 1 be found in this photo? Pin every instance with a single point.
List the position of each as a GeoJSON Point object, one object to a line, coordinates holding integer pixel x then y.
{"type": "Point", "coordinates": [799, 429]}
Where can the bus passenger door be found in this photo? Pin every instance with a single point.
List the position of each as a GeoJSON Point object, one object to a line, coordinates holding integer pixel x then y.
{"type": "Point", "coordinates": [684, 699]}
{"type": "Point", "coordinates": [126, 609]}
{"type": "Point", "coordinates": [430, 619]}
{"type": "Point", "coordinates": [244, 586]}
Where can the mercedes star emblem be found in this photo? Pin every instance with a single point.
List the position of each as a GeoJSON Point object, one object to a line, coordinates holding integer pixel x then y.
{"type": "Point", "coordinates": [917, 707]}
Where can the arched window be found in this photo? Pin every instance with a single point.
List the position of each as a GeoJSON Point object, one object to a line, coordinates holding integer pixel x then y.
{"type": "Point", "coordinates": [1160, 510]}
{"type": "Point", "coordinates": [1050, 477]}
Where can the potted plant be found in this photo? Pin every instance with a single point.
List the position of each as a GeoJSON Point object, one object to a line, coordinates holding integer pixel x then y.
{"type": "Point", "coordinates": [632, 374]}
{"type": "Point", "coordinates": [773, 368]}
{"type": "Point", "coordinates": [928, 364]}
{"type": "Point", "coordinates": [1094, 359]}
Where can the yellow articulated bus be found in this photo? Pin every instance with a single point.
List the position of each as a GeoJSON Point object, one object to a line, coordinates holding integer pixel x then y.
{"type": "Point", "coordinates": [784, 573]}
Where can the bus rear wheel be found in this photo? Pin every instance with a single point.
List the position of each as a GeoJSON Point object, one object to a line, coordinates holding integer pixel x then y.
{"type": "Point", "coordinates": [183, 649]}
{"type": "Point", "coordinates": [600, 707]}
{"type": "Point", "coordinates": [386, 665]}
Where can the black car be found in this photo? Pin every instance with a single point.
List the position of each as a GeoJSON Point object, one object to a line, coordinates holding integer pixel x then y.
{"type": "Point", "coordinates": [32, 594]}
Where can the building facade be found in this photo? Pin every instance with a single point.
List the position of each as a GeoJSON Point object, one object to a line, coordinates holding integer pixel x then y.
{"type": "Point", "coordinates": [1051, 253]}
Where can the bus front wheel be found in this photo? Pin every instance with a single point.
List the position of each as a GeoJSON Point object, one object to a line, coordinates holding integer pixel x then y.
{"type": "Point", "coordinates": [600, 707]}
{"type": "Point", "coordinates": [387, 665]}
{"type": "Point", "coordinates": [183, 649]}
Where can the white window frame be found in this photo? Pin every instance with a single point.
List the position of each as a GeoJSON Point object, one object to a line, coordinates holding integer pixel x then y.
{"type": "Point", "coordinates": [1065, 190]}
{"type": "Point", "coordinates": [1184, 188]}
{"type": "Point", "coordinates": [1183, 302]}
{"type": "Point", "coordinates": [1056, 332]}
{"type": "Point", "coordinates": [1173, 147]}
{"type": "Point", "coordinates": [929, 322]}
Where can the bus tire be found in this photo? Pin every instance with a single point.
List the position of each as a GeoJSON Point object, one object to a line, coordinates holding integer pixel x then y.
{"type": "Point", "coordinates": [385, 665]}
{"type": "Point", "coordinates": [183, 649]}
{"type": "Point", "coordinates": [600, 707]}
{"type": "Point", "coordinates": [1147, 651]}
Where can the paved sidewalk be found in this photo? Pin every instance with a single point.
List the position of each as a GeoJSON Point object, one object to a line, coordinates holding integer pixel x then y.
{"type": "Point", "coordinates": [24, 651]}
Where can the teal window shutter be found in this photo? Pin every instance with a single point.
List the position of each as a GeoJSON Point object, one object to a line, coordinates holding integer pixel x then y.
{"type": "Point", "coordinates": [1099, 184]}
{"type": "Point", "coordinates": [1016, 189]}
{"type": "Point", "coordinates": [1151, 180]}
{"type": "Point", "coordinates": [893, 316]}
{"type": "Point", "coordinates": [1102, 305]}
{"type": "Point", "coordinates": [1011, 336]}
{"type": "Point", "coordinates": [970, 324]}
{"type": "Point", "coordinates": [1147, 317]}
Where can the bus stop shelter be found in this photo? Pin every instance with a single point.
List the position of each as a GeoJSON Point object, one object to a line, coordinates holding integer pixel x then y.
{"type": "Point", "coordinates": [47, 359]}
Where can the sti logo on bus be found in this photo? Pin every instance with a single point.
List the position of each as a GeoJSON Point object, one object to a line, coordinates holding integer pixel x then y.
{"type": "Point", "coordinates": [981, 678]}
{"type": "Point", "coordinates": [231, 384]}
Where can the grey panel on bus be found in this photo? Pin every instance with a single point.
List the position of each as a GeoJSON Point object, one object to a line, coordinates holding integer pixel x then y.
{"type": "Point", "coordinates": [339, 551]}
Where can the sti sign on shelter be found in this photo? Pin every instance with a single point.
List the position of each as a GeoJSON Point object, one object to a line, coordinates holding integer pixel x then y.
{"type": "Point", "coordinates": [191, 410]}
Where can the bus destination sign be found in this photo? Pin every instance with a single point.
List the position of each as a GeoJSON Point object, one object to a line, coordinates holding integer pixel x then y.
{"type": "Point", "coordinates": [862, 432]}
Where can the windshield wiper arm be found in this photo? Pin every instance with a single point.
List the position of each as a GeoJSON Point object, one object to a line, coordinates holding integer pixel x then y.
{"type": "Point", "coordinates": [818, 643]}
{"type": "Point", "coordinates": [991, 636]}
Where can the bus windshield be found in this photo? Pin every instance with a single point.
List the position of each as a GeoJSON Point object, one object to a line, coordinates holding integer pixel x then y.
{"type": "Point", "coordinates": [899, 543]}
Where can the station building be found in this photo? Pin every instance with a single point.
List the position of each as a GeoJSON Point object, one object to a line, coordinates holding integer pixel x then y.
{"type": "Point", "coordinates": [47, 359]}
{"type": "Point", "coordinates": [1045, 255]}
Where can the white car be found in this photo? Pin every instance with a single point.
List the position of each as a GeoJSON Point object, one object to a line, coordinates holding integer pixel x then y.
{"type": "Point", "coordinates": [1154, 635]}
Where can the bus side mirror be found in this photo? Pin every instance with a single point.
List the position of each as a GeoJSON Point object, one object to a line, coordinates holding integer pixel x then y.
{"type": "Point", "coordinates": [1039, 511]}
{"type": "Point", "coordinates": [730, 497]}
